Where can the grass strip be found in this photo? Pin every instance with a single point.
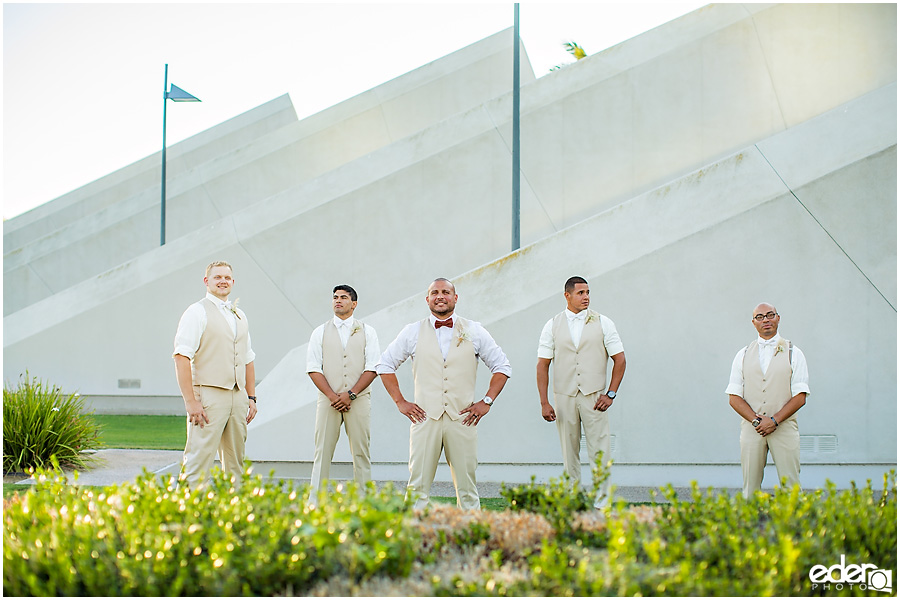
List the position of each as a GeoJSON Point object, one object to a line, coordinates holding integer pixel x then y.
{"type": "Point", "coordinates": [142, 432]}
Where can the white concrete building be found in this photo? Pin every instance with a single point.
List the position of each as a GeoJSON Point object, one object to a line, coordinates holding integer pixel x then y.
{"type": "Point", "coordinates": [739, 154]}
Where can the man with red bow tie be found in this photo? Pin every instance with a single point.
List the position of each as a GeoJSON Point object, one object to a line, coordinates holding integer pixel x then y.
{"type": "Point", "coordinates": [444, 414]}
{"type": "Point", "coordinates": [769, 383]}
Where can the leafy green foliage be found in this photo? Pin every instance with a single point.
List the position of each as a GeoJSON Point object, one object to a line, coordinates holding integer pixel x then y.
{"type": "Point", "coordinates": [40, 422]}
{"type": "Point", "coordinates": [228, 538]}
{"type": "Point", "coordinates": [560, 499]}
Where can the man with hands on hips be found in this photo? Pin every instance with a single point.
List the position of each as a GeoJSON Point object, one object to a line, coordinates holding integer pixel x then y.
{"type": "Point", "coordinates": [444, 415]}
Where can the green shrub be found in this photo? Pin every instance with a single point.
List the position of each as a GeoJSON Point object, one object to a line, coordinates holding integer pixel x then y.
{"type": "Point", "coordinates": [39, 422]}
{"type": "Point", "coordinates": [155, 538]}
{"type": "Point", "coordinates": [560, 499]}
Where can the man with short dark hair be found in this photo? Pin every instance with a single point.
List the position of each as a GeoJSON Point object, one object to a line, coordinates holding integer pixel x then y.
{"type": "Point", "coordinates": [340, 361]}
{"type": "Point", "coordinates": [580, 342]}
{"type": "Point", "coordinates": [445, 349]}
{"type": "Point", "coordinates": [215, 373]}
{"type": "Point", "coordinates": [769, 383]}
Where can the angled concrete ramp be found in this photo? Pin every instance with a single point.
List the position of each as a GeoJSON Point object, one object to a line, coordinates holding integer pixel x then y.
{"type": "Point", "coordinates": [679, 269]}
{"type": "Point", "coordinates": [739, 152]}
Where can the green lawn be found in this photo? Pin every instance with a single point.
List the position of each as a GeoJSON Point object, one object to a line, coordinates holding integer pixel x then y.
{"type": "Point", "coordinates": [498, 504]}
{"type": "Point", "coordinates": [144, 432]}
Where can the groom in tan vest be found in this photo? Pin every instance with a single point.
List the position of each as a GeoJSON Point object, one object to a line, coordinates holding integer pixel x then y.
{"type": "Point", "coordinates": [769, 383]}
{"type": "Point", "coordinates": [445, 349]}
{"type": "Point", "coordinates": [579, 342]}
{"type": "Point", "coordinates": [340, 360]}
{"type": "Point", "coordinates": [215, 373]}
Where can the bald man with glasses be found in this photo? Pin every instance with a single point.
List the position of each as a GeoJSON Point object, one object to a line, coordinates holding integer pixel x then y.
{"type": "Point", "coordinates": [769, 383]}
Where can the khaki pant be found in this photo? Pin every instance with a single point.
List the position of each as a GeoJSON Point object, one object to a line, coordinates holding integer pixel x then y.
{"type": "Point", "coordinates": [783, 443]}
{"type": "Point", "coordinates": [573, 413]}
{"type": "Point", "coordinates": [226, 433]}
{"type": "Point", "coordinates": [460, 445]}
{"type": "Point", "coordinates": [328, 430]}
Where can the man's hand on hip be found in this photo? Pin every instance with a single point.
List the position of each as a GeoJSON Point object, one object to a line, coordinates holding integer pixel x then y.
{"type": "Point", "coordinates": [412, 411]}
{"type": "Point", "coordinates": [603, 402]}
{"type": "Point", "coordinates": [475, 412]}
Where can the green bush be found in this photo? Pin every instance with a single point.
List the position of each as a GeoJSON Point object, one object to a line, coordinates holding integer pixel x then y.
{"type": "Point", "coordinates": [560, 499]}
{"type": "Point", "coordinates": [40, 422]}
{"type": "Point", "coordinates": [156, 538]}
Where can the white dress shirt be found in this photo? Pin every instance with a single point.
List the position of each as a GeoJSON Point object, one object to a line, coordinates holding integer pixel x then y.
{"type": "Point", "coordinates": [193, 324]}
{"type": "Point", "coordinates": [799, 370]}
{"type": "Point", "coordinates": [404, 346]}
{"type": "Point", "coordinates": [345, 328]}
{"type": "Point", "coordinates": [547, 346]}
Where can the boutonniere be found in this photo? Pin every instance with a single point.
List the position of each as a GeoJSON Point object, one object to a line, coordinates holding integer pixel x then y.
{"type": "Point", "coordinates": [463, 337]}
{"type": "Point", "coordinates": [591, 317]}
{"type": "Point", "coordinates": [356, 327]}
{"type": "Point", "coordinates": [781, 347]}
{"type": "Point", "coordinates": [233, 308]}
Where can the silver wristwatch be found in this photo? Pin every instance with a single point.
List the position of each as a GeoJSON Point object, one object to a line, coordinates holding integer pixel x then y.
{"type": "Point", "coordinates": [611, 394]}
{"type": "Point", "coordinates": [488, 400]}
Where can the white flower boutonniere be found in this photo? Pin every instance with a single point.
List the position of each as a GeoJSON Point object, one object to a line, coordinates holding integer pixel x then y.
{"type": "Point", "coordinates": [590, 318]}
{"type": "Point", "coordinates": [781, 347]}
{"type": "Point", "coordinates": [233, 308]}
{"type": "Point", "coordinates": [463, 337]}
{"type": "Point", "coordinates": [357, 327]}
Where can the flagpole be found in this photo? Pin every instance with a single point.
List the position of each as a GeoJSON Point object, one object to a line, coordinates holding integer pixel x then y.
{"type": "Point", "coordinates": [162, 215]}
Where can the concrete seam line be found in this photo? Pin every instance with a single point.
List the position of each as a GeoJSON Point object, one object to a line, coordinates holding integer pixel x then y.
{"type": "Point", "coordinates": [819, 223]}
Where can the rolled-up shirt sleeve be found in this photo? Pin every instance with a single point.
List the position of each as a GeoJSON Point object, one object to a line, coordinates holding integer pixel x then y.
{"type": "Point", "coordinates": [314, 359]}
{"type": "Point", "coordinates": [546, 345]}
{"type": "Point", "coordinates": [799, 373]}
{"type": "Point", "coordinates": [190, 328]}
{"type": "Point", "coordinates": [736, 380]}
{"type": "Point", "coordinates": [403, 346]}
{"type": "Point", "coordinates": [373, 349]}
{"type": "Point", "coordinates": [489, 351]}
{"type": "Point", "coordinates": [611, 336]}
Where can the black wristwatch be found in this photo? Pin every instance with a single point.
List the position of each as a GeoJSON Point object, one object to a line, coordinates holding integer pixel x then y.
{"type": "Point", "coordinates": [611, 394]}
{"type": "Point", "coordinates": [252, 398]}
{"type": "Point", "coordinates": [352, 395]}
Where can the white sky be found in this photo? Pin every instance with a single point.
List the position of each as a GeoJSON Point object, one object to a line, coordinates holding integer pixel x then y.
{"type": "Point", "coordinates": [83, 83]}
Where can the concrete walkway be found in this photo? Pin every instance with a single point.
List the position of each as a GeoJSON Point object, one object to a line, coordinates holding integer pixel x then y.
{"type": "Point", "coordinates": [113, 466]}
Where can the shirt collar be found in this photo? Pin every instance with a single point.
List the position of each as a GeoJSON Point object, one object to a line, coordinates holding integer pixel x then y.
{"type": "Point", "coordinates": [217, 301]}
{"type": "Point", "coordinates": [770, 342]}
{"type": "Point", "coordinates": [580, 316]}
{"type": "Point", "coordinates": [434, 319]}
{"type": "Point", "coordinates": [339, 322]}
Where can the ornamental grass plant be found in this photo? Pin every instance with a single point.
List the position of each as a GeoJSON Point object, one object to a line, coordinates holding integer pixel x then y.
{"type": "Point", "coordinates": [40, 422]}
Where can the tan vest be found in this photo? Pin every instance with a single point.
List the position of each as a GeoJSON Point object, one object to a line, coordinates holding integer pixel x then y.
{"type": "Point", "coordinates": [768, 392]}
{"type": "Point", "coordinates": [444, 385]}
{"type": "Point", "coordinates": [582, 368]}
{"type": "Point", "coordinates": [341, 366]}
{"type": "Point", "coordinates": [219, 360]}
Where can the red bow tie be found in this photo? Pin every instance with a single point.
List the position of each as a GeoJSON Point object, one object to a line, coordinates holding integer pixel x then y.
{"type": "Point", "coordinates": [447, 323]}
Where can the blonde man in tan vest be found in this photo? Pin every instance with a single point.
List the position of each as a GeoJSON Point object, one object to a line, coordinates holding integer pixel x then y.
{"type": "Point", "coordinates": [445, 349]}
{"type": "Point", "coordinates": [215, 373]}
{"type": "Point", "coordinates": [340, 360]}
{"type": "Point", "coordinates": [579, 342]}
{"type": "Point", "coordinates": [769, 383]}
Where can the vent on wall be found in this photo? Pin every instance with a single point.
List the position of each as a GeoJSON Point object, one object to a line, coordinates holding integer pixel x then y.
{"type": "Point", "coordinates": [585, 459]}
{"type": "Point", "coordinates": [818, 444]}
{"type": "Point", "coordinates": [129, 384]}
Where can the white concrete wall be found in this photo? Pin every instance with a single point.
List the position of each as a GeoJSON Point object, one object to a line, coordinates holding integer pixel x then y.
{"type": "Point", "coordinates": [254, 162]}
{"type": "Point", "coordinates": [607, 143]}
{"type": "Point", "coordinates": [679, 269]}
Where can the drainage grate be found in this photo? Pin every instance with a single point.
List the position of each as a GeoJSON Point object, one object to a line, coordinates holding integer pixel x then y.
{"type": "Point", "coordinates": [129, 384]}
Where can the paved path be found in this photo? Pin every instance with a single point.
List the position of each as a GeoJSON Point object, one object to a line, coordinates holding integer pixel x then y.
{"type": "Point", "coordinates": [121, 466]}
